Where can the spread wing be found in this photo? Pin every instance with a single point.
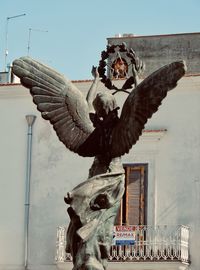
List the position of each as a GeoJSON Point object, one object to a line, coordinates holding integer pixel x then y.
{"type": "Point", "coordinates": [141, 104]}
{"type": "Point", "coordinates": [58, 100]}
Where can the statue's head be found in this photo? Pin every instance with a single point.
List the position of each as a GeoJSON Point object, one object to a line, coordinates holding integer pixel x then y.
{"type": "Point", "coordinates": [104, 103]}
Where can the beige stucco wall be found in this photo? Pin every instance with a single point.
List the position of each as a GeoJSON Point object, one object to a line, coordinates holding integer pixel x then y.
{"type": "Point", "coordinates": [173, 176]}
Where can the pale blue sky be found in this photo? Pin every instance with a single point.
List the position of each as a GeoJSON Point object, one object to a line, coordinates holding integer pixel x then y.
{"type": "Point", "coordinates": [77, 29]}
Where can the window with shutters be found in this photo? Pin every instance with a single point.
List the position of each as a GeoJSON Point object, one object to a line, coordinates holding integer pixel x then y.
{"type": "Point", "coordinates": [133, 209]}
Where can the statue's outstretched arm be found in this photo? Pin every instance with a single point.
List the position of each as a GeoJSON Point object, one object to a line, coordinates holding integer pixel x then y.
{"type": "Point", "coordinates": [93, 90]}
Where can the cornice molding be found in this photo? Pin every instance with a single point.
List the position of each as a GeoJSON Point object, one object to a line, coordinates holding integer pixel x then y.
{"type": "Point", "coordinates": [153, 135]}
{"type": "Point", "coordinates": [13, 91]}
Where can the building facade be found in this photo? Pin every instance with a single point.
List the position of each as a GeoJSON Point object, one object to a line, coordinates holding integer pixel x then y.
{"type": "Point", "coordinates": [162, 172]}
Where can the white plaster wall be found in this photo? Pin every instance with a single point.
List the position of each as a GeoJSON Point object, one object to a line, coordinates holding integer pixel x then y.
{"type": "Point", "coordinates": [173, 194]}
{"type": "Point", "coordinates": [174, 181]}
{"type": "Point", "coordinates": [12, 160]}
{"type": "Point", "coordinates": [55, 171]}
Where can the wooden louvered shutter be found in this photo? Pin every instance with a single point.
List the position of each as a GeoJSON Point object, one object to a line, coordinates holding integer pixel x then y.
{"type": "Point", "coordinates": [132, 210]}
{"type": "Point", "coordinates": [135, 196]}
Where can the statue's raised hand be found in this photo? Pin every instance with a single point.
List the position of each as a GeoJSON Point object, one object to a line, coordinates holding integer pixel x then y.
{"type": "Point", "coordinates": [95, 72]}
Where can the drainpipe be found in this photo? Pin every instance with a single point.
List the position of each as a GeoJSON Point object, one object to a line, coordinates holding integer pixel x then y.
{"type": "Point", "coordinates": [30, 121]}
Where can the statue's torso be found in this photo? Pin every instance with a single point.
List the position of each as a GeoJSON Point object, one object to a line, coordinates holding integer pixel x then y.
{"type": "Point", "coordinates": [100, 166]}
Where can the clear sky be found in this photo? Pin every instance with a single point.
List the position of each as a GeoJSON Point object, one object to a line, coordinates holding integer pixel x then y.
{"type": "Point", "coordinates": [78, 29]}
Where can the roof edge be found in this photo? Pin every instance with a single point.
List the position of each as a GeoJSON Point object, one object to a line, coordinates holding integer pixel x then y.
{"type": "Point", "coordinates": [159, 35]}
{"type": "Point", "coordinates": [84, 81]}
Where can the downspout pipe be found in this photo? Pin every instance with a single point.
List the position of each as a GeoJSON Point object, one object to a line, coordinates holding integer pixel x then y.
{"type": "Point", "coordinates": [30, 121]}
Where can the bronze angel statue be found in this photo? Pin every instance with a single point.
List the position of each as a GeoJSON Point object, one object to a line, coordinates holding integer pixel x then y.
{"type": "Point", "coordinates": [91, 127]}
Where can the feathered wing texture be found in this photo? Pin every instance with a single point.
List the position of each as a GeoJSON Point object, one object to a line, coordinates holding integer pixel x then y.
{"type": "Point", "coordinates": [58, 100]}
{"type": "Point", "coordinates": [141, 104]}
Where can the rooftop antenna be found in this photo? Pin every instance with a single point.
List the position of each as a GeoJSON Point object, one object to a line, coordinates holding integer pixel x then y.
{"type": "Point", "coordinates": [6, 37]}
{"type": "Point", "coordinates": [29, 37]}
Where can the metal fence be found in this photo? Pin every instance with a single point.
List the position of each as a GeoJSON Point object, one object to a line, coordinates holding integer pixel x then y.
{"type": "Point", "coordinates": [152, 243]}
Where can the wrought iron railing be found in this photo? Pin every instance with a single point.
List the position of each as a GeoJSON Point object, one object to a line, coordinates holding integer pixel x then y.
{"type": "Point", "coordinates": [152, 243]}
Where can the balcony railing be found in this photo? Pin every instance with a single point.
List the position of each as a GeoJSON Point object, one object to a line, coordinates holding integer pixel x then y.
{"type": "Point", "coordinates": [151, 243]}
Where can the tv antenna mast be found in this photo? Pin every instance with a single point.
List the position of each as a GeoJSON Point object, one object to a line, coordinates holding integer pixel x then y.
{"type": "Point", "coordinates": [6, 37]}
{"type": "Point", "coordinates": [29, 37]}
